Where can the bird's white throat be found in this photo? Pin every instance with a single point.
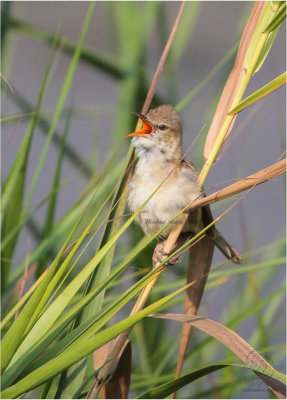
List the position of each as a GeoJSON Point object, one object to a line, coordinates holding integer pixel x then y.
{"type": "Point", "coordinates": [146, 150]}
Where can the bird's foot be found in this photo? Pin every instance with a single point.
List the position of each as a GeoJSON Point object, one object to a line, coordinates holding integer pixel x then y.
{"type": "Point", "coordinates": [161, 255]}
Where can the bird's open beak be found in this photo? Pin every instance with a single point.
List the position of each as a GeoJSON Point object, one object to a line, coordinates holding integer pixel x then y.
{"type": "Point", "coordinates": [146, 129]}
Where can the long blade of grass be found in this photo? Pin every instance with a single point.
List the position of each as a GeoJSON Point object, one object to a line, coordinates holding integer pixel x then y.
{"type": "Point", "coordinates": [14, 185]}
{"type": "Point", "coordinates": [167, 388]}
{"type": "Point", "coordinates": [277, 262]}
{"type": "Point", "coordinates": [234, 81]}
{"type": "Point", "coordinates": [62, 98]}
{"type": "Point", "coordinates": [48, 225]}
{"type": "Point", "coordinates": [218, 275]}
{"type": "Point", "coordinates": [170, 387]}
{"type": "Point", "coordinates": [278, 19]}
{"type": "Point", "coordinates": [261, 41]}
{"type": "Point", "coordinates": [260, 93]}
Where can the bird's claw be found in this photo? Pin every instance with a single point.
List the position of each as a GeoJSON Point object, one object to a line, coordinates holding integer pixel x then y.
{"type": "Point", "coordinates": [161, 255]}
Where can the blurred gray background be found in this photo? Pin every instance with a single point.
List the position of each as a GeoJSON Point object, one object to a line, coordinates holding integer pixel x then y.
{"type": "Point", "coordinates": [260, 217]}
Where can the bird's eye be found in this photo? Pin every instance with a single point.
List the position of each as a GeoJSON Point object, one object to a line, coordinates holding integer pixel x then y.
{"type": "Point", "coordinates": [162, 127]}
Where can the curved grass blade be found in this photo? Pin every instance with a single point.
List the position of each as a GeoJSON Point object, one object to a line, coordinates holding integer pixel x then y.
{"type": "Point", "coordinates": [168, 388]}
{"type": "Point", "coordinates": [53, 199]}
{"type": "Point", "coordinates": [260, 93]}
{"type": "Point", "coordinates": [238, 346]}
{"type": "Point", "coordinates": [70, 356]}
{"type": "Point", "coordinates": [14, 185]}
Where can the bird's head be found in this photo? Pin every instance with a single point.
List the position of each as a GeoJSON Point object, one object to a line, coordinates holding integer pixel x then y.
{"type": "Point", "coordinates": [161, 132]}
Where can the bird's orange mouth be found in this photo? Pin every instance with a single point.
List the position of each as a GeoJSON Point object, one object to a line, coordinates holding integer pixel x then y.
{"type": "Point", "coordinates": [146, 129]}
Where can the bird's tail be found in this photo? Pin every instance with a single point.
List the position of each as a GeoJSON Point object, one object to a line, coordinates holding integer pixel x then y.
{"type": "Point", "coordinates": [221, 243]}
{"type": "Point", "coordinates": [226, 249]}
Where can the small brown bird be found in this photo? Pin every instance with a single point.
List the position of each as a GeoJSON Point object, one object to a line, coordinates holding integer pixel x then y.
{"type": "Point", "coordinates": [159, 148]}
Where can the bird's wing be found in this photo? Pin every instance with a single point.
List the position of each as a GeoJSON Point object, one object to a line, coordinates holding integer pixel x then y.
{"type": "Point", "coordinates": [190, 173]}
{"type": "Point", "coordinates": [186, 164]}
{"type": "Point", "coordinates": [220, 242]}
{"type": "Point", "coordinates": [207, 218]}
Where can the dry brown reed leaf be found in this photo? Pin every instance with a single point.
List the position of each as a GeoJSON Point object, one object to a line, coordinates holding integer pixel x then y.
{"type": "Point", "coordinates": [100, 355]}
{"type": "Point", "coordinates": [235, 343]}
{"type": "Point", "coordinates": [249, 182]}
{"type": "Point", "coordinates": [102, 358]}
{"type": "Point", "coordinates": [200, 259]}
{"type": "Point", "coordinates": [234, 80]}
{"type": "Point", "coordinates": [118, 386]}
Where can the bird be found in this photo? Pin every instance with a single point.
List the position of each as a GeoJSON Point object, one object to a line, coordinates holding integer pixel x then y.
{"type": "Point", "coordinates": [162, 170]}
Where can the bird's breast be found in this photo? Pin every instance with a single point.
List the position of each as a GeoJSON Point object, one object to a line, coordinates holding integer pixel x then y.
{"type": "Point", "coordinates": [170, 192]}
